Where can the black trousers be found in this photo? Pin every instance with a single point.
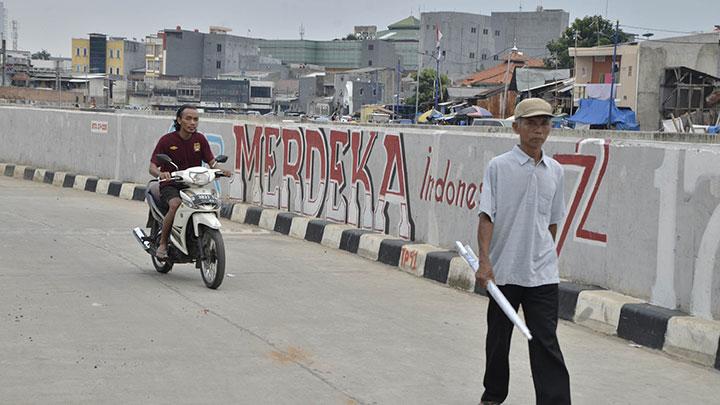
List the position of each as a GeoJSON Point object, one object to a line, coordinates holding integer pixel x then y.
{"type": "Point", "coordinates": [550, 376]}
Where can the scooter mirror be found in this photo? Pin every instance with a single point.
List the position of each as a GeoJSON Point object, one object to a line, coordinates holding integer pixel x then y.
{"type": "Point", "coordinates": [221, 158]}
{"type": "Point", "coordinates": [163, 157]}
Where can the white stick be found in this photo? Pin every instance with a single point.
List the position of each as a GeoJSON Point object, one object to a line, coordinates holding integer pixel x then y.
{"type": "Point", "coordinates": [467, 253]}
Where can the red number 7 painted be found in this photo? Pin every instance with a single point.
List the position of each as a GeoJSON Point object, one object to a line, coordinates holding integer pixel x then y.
{"type": "Point", "coordinates": [587, 164]}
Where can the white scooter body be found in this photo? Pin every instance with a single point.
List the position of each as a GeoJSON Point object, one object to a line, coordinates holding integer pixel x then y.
{"type": "Point", "coordinates": [200, 204]}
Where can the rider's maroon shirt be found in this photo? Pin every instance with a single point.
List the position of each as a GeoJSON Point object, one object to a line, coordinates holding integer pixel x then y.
{"type": "Point", "coordinates": [183, 153]}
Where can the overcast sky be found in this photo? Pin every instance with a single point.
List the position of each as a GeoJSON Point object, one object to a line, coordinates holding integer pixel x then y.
{"type": "Point", "coordinates": [50, 24]}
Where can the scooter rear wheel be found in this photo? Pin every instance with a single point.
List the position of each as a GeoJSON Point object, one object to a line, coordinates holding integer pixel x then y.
{"type": "Point", "coordinates": [160, 266]}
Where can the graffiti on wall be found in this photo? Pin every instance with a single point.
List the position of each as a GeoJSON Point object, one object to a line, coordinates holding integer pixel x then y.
{"type": "Point", "coordinates": [326, 174]}
{"type": "Point", "coordinates": [591, 170]}
{"type": "Point", "coordinates": [454, 192]}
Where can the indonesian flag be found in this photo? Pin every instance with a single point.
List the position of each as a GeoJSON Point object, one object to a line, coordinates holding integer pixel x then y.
{"type": "Point", "coordinates": [438, 36]}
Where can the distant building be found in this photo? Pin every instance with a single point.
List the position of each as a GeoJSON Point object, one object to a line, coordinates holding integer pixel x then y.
{"type": "Point", "coordinates": [334, 55]}
{"type": "Point", "coordinates": [358, 87]}
{"type": "Point", "coordinates": [205, 55]}
{"type": "Point", "coordinates": [102, 55]}
{"type": "Point", "coordinates": [154, 55]}
{"type": "Point", "coordinates": [405, 36]}
{"type": "Point", "coordinates": [3, 23]}
{"type": "Point", "coordinates": [649, 75]}
{"type": "Point", "coordinates": [475, 42]}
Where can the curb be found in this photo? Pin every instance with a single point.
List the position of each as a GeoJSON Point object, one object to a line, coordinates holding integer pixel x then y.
{"type": "Point", "coordinates": [671, 331]}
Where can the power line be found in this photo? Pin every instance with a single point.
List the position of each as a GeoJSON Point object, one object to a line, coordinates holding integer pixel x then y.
{"type": "Point", "coordinates": [657, 29]}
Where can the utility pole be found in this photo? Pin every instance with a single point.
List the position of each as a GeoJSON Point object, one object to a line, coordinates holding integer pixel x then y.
{"type": "Point", "coordinates": [612, 74]}
{"type": "Point", "coordinates": [506, 80]}
{"type": "Point", "coordinates": [417, 87]}
{"type": "Point", "coordinates": [437, 79]}
{"type": "Point", "coordinates": [4, 63]}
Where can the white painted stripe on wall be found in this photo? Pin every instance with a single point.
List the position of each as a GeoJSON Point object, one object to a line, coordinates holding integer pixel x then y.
{"type": "Point", "coordinates": [127, 190]}
{"type": "Point", "coordinates": [298, 228]}
{"type": "Point", "coordinates": [600, 309]}
{"type": "Point", "coordinates": [58, 179]}
{"type": "Point", "coordinates": [268, 218]}
{"type": "Point", "coordinates": [332, 234]}
{"type": "Point", "coordinates": [39, 175]}
{"type": "Point", "coordinates": [102, 186]}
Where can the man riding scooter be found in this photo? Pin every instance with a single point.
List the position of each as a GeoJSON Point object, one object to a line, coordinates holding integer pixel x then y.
{"type": "Point", "coordinates": [187, 148]}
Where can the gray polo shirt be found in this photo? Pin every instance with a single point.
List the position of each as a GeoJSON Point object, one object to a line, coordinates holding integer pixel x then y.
{"type": "Point", "coordinates": [522, 199]}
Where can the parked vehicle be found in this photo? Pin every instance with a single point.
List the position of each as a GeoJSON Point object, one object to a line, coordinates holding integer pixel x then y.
{"type": "Point", "coordinates": [492, 122]}
{"type": "Point", "coordinates": [195, 236]}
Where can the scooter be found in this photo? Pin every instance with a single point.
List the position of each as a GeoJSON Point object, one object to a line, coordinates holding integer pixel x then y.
{"type": "Point", "coordinates": [195, 236]}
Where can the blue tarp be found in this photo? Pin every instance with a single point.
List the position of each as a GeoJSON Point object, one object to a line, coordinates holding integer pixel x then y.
{"type": "Point", "coordinates": [595, 112]}
{"type": "Point", "coordinates": [714, 130]}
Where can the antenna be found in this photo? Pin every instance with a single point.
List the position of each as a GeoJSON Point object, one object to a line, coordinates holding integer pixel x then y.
{"type": "Point", "coordinates": [520, 5]}
{"type": "Point", "coordinates": [14, 35]}
{"type": "Point", "coordinates": [302, 31]}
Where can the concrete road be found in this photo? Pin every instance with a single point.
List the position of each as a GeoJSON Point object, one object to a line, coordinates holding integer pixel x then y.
{"type": "Point", "coordinates": [86, 319]}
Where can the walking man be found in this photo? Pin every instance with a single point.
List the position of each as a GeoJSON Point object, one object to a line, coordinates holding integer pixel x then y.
{"type": "Point", "coordinates": [520, 206]}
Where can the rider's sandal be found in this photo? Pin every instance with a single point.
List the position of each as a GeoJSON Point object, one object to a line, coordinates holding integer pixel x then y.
{"type": "Point", "coordinates": [161, 254]}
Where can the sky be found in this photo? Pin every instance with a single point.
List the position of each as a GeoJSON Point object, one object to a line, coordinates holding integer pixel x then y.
{"type": "Point", "coordinates": [51, 24]}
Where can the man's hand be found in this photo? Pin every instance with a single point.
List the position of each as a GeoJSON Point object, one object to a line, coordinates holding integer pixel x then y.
{"type": "Point", "coordinates": [227, 173]}
{"type": "Point", "coordinates": [484, 273]}
{"type": "Point", "coordinates": [164, 176]}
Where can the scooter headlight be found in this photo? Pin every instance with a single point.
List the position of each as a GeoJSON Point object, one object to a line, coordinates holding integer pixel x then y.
{"type": "Point", "coordinates": [200, 179]}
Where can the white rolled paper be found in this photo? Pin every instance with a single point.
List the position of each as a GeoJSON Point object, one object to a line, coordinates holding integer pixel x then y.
{"type": "Point", "coordinates": [472, 260]}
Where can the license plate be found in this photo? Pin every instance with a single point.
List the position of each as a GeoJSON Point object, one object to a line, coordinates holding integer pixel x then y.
{"type": "Point", "coordinates": [204, 199]}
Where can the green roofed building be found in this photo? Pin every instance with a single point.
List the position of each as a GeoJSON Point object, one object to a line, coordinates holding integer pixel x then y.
{"type": "Point", "coordinates": [405, 35]}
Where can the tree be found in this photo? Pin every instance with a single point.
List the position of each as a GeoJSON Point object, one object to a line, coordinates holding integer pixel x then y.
{"type": "Point", "coordinates": [591, 31]}
{"type": "Point", "coordinates": [427, 87]}
{"type": "Point", "coordinates": [350, 37]}
{"type": "Point", "coordinates": [44, 55]}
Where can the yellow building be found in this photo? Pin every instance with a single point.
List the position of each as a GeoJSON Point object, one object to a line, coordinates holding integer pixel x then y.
{"type": "Point", "coordinates": [80, 55]}
{"type": "Point", "coordinates": [114, 60]}
{"type": "Point", "coordinates": [112, 56]}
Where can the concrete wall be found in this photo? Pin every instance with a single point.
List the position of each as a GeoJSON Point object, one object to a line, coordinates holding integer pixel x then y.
{"type": "Point", "coordinates": [643, 216]}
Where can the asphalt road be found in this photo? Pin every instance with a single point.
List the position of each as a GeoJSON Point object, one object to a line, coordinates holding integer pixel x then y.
{"type": "Point", "coordinates": [86, 319]}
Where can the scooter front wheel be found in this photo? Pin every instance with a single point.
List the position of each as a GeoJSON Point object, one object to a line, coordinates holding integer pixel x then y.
{"type": "Point", "coordinates": [212, 268]}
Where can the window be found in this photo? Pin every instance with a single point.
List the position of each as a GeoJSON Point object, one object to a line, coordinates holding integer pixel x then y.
{"type": "Point", "coordinates": [371, 47]}
{"type": "Point", "coordinates": [84, 51]}
{"type": "Point", "coordinates": [369, 63]}
{"type": "Point", "coordinates": [473, 30]}
{"type": "Point", "coordinates": [497, 33]}
{"type": "Point", "coordinates": [117, 53]}
{"type": "Point", "coordinates": [484, 56]}
{"type": "Point", "coordinates": [495, 57]}
{"type": "Point", "coordinates": [629, 71]}
{"type": "Point", "coordinates": [485, 31]}
{"type": "Point", "coordinates": [362, 91]}
{"type": "Point", "coordinates": [472, 55]}
{"type": "Point", "coordinates": [77, 52]}
{"type": "Point", "coordinates": [219, 47]}
{"type": "Point", "coordinates": [117, 71]}
{"type": "Point", "coordinates": [218, 64]}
